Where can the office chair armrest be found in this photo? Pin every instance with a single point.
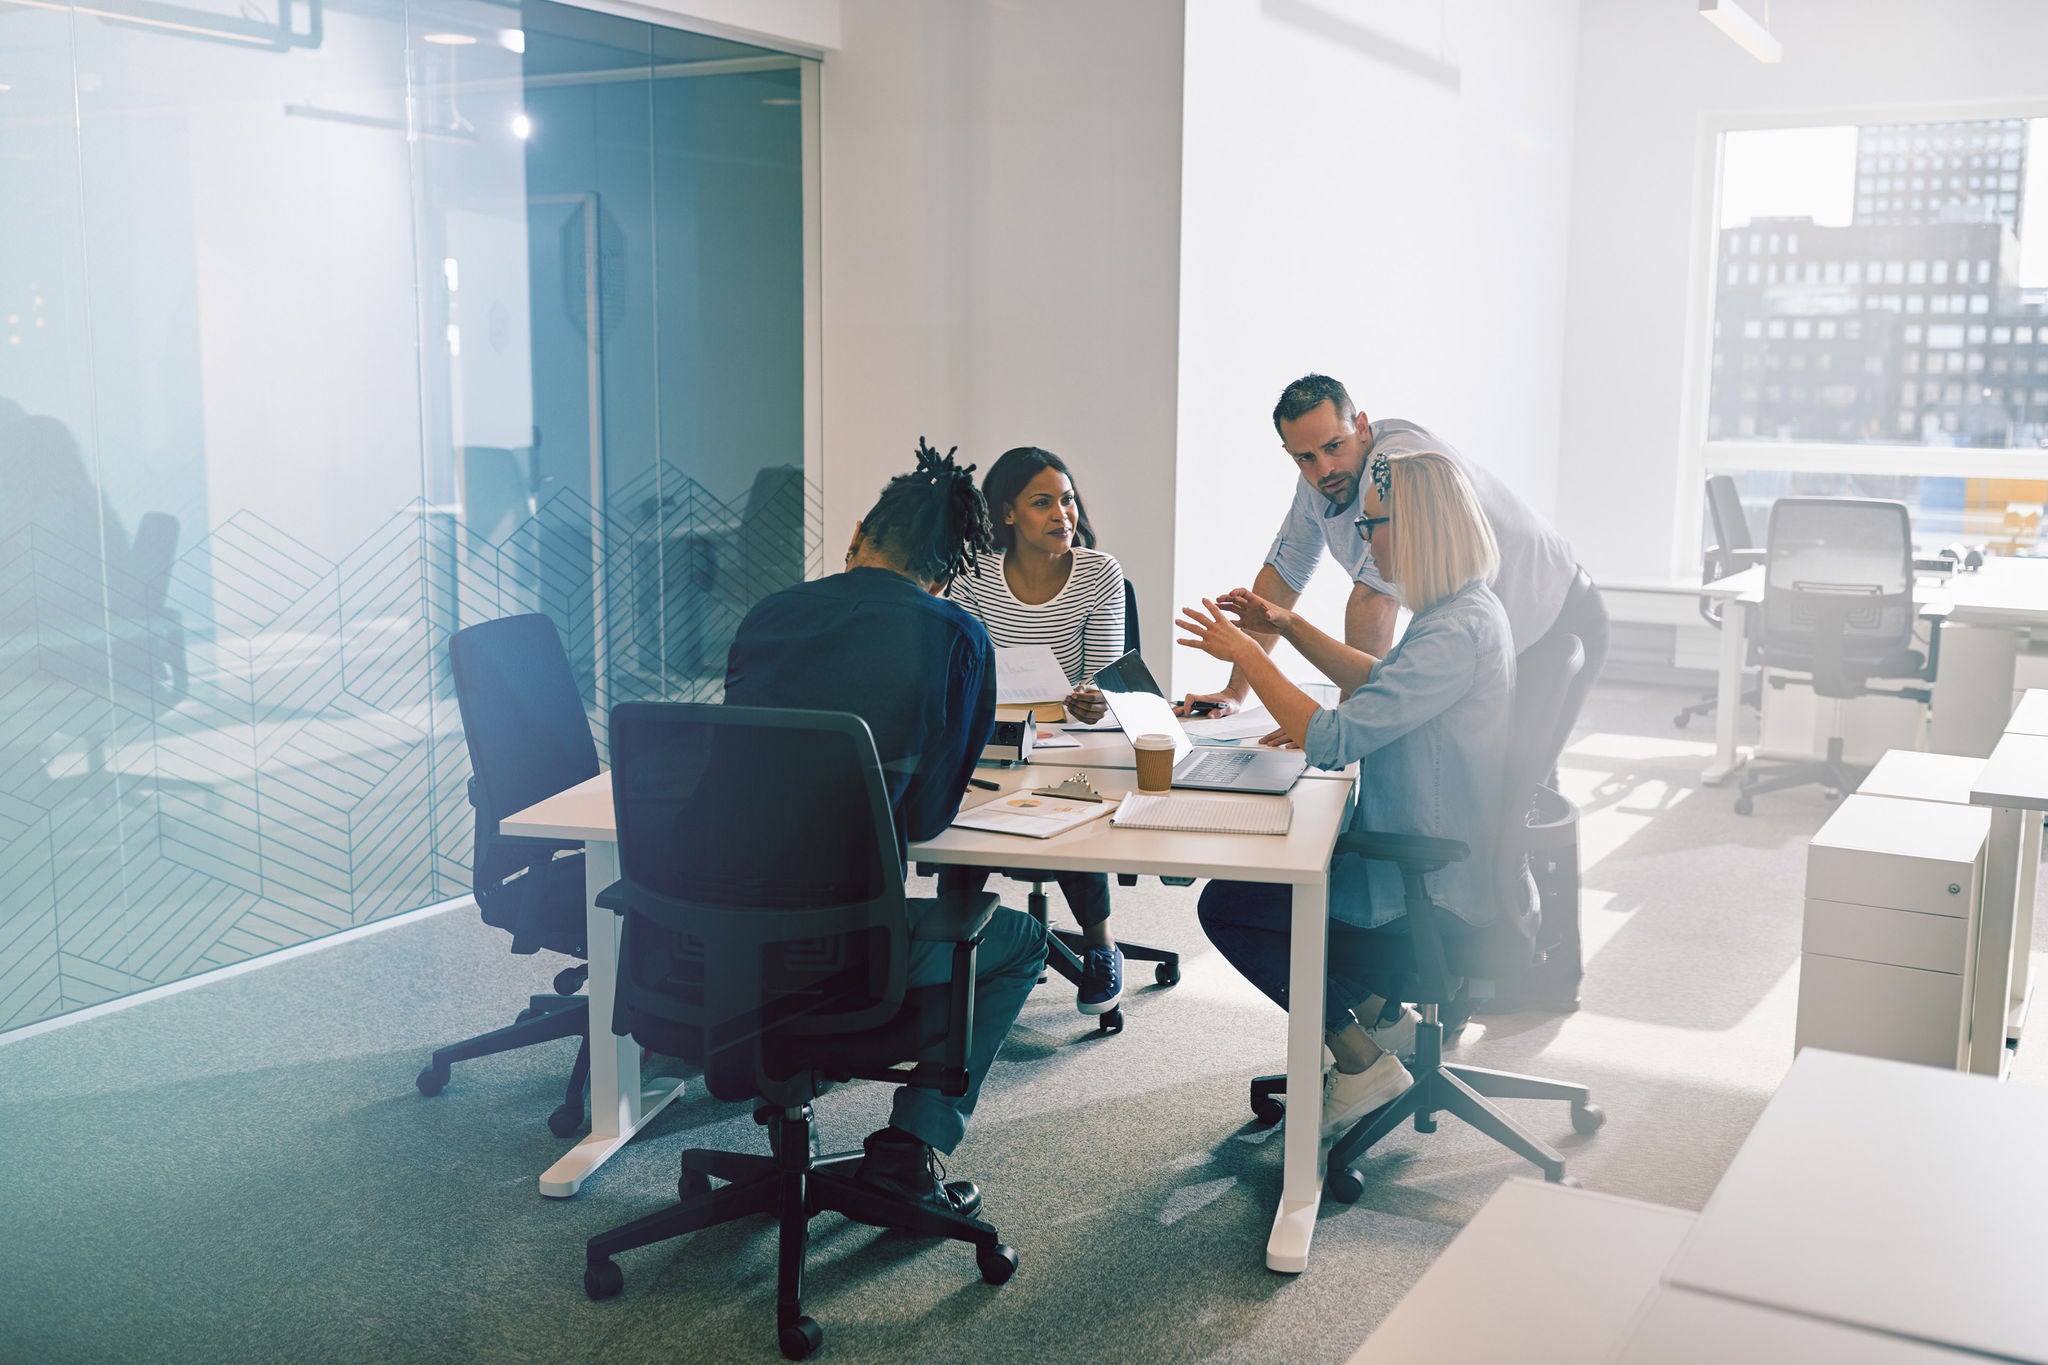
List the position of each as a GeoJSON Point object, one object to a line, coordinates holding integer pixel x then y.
{"type": "Point", "coordinates": [613, 897]}
{"type": "Point", "coordinates": [1934, 614]}
{"type": "Point", "coordinates": [1417, 852]}
{"type": "Point", "coordinates": [951, 919]}
{"type": "Point", "coordinates": [1738, 560]}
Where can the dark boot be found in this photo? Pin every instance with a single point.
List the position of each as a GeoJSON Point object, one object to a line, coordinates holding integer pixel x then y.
{"type": "Point", "coordinates": [897, 1163]}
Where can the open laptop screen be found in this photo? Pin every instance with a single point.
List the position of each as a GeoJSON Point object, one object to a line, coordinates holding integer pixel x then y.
{"type": "Point", "coordinates": [1134, 699]}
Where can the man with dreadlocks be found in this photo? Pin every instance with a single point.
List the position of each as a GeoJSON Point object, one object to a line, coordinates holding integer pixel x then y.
{"type": "Point", "coordinates": [882, 641]}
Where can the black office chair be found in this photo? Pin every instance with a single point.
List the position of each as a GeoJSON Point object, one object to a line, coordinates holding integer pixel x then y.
{"type": "Point", "coordinates": [1838, 608]}
{"type": "Point", "coordinates": [528, 739]}
{"type": "Point", "coordinates": [767, 938]}
{"type": "Point", "coordinates": [1063, 947]}
{"type": "Point", "coordinates": [1734, 549]}
{"type": "Point", "coordinates": [1443, 949]}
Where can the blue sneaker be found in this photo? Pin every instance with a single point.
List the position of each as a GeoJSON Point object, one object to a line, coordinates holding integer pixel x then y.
{"type": "Point", "coordinates": [1102, 980]}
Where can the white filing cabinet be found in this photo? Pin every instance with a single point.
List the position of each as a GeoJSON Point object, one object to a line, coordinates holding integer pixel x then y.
{"type": "Point", "coordinates": [1885, 966]}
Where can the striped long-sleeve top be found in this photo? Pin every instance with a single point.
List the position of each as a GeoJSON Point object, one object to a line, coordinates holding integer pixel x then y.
{"type": "Point", "coordinates": [1084, 621]}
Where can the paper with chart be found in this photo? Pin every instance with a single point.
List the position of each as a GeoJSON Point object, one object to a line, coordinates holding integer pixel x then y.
{"type": "Point", "coordinates": [1205, 813]}
{"type": "Point", "coordinates": [1032, 814]}
{"type": "Point", "coordinates": [1029, 673]}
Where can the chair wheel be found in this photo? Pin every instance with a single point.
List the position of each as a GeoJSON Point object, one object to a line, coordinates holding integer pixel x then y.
{"type": "Point", "coordinates": [570, 979]}
{"type": "Point", "coordinates": [801, 1339]}
{"type": "Point", "coordinates": [997, 1264]}
{"type": "Point", "coordinates": [1268, 1109]}
{"type": "Point", "coordinates": [1682, 719]}
{"type": "Point", "coordinates": [432, 1080]}
{"type": "Point", "coordinates": [1744, 806]}
{"type": "Point", "coordinates": [1587, 1118]}
{"type": "Point", "coordinates": [522, 1016]}
{"type": "Point", "coordinates": [692, 1183]}
{"type": "Point", "coordinates": [603, 1279]}
{"type": "Point", "coordinates": [1111, 1021]}
{"type": "Point", "coordinates": [566, 1121]}
{"type": "Point", "coordinates": [1830, 793]}
{"type": "Point", "coordinates": [1344, 1185]}
{"type": "Point", "coordinates": [1167, 973]}
{"type": "Point", "coordinates": [1570, 1182]}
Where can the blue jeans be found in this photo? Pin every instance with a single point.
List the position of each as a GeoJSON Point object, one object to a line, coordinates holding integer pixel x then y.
{"type": "Point", "coordinates": [1251, 924]}
{"type": "Point", "coordinates": [1006, 967]}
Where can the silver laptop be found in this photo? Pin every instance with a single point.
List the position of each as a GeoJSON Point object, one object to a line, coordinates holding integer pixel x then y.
{"type": "Point", "coordinates": [1139, 709]}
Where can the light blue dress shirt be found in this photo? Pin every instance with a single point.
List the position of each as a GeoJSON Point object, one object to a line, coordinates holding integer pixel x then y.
{"type": "Point", "coordinates": [1431, 725]}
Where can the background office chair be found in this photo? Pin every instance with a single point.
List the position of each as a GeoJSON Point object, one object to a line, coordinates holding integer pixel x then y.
{"type": "Point", "coordinates": [1444, 950]}
{"type": "Point", "coordinates": [1734, 549]}
{"type": "Point", "coordinates": [767, 938]}
{"type": "Point", "coordinates": [1064, 947]}
{"type": "Point", "coordinates": [1838, 608]}
{"type": "Point", "coordinates": [528, 738]}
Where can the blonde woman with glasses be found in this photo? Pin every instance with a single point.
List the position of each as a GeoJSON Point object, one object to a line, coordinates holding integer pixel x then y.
{"type": "Point", "coordinates": [1430, 717]}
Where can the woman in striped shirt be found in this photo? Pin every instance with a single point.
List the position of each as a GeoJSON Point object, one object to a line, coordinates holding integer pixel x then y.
{"type": "Point", "coordinates": [1049, 585]}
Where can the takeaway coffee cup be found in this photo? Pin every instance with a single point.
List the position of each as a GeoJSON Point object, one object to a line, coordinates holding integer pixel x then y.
{"type": "Point", "coordinates": [1155, 762]}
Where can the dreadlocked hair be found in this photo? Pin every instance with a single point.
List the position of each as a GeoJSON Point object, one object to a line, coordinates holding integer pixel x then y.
{"type": "Point", "coordinates": [932, 519]}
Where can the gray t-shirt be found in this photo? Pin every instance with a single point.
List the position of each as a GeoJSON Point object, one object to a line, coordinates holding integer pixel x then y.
{"type": "Point", "coordinates": [1536, 563]}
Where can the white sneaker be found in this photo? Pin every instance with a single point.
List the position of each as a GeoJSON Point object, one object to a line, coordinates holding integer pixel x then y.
{"type": "Point", "coordinates": [1398, 1037]}
{"type": "Point", "coordinates": [1349, 1096]}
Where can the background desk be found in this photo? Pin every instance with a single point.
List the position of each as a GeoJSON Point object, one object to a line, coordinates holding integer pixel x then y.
{"type": "Point", "coordinates": [1300, 859]}
{"type": "Point", "coordinates": [1991, 615]}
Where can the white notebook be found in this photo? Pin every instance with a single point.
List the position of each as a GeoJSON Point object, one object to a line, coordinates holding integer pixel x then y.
{"type": "Point", "coordinates": [1206, 813]}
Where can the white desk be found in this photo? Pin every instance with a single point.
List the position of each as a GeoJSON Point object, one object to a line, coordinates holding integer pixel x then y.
{"type": "Point", "coordinates": [1542, 1275]}
{"type": "Point", "coordinates": [1300, 858]}
{"type": "Point", "coordinates": [621, 1105]}
{"type": "Point", "coordinates": [2014, 784]}
{"type": "Point", "coordinates": [2030, 717]}
{"type": "Point", "coordinates": [1679, 1327]}
{"type": "Point", "coordinates": [1995, 607]}
{"type": "Point", "coordinates": [620, 1102]}
{"type": "Point", "coordinates": [1895, 1198]}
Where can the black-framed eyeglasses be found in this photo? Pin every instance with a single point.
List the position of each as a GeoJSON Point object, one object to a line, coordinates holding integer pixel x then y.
{"type": "Point", "coordinates": [1366, 524]}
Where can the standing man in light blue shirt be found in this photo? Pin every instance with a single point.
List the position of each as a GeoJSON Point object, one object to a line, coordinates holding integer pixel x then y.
{"type": "Point", "coordinates": [1540, 584]}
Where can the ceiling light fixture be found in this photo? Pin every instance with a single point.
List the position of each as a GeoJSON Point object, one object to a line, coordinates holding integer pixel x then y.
{"type": "Point", "coordinates": [449, 39]}
{"type": "Point", "coordinates": [1739, 24]}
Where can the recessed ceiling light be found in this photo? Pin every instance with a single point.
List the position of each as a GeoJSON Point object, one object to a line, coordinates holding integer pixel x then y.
{"type": "Point", "coordinates": [522, 126]}
{"type": "Point", "coordinates": [512, 39]}
{"type": "Point", "coordinates": [449, 39]}
{"type": "Point", "coordinates": [4, 86]}
{"type": "Point", "coordinates": [780, 103]}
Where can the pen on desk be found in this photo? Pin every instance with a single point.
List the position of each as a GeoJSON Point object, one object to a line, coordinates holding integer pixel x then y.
{"type": "Point", "coordinates": [984, 784]}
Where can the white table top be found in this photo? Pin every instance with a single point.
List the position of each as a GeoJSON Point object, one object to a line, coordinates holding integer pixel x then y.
{"type": "Point", "coordinates": [1542, 1275]}
{"type": "Point", "coordinates": [2006, 591]}
{"type": "Point", "coordinates": [2030, 717]}
{"type": "Point", "coordinates": [1112, 749]}
{"type": "Point", "coordinates": [1919, 776]}
{"type": "Point", "coordinates": [1679, 1327]}
{"type": "Point", "coordinates": [1301, 855]}
{"type": "Point", "coordinates": [1905, 1199]}
{"type": "Point", "coordinates": [2016, 774]}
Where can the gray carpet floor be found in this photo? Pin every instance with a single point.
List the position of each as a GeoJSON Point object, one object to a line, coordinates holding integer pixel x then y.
{"type": "Point", "coordinates": [244, 1171]}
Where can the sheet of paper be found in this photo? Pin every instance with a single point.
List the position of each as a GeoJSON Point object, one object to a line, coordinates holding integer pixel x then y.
{"type": "Point", "coordinates": [1029, 673]}
{"type": "Point", "coordinates": [1054, 739]}
{"type": "Point", "coordinates": [1243, 725]}
{"type": "Point", "coordinates": [1032, 815]}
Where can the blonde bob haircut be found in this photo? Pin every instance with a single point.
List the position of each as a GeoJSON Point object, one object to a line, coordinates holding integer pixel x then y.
{"type": "Point", "coordinates": [1441, 537]}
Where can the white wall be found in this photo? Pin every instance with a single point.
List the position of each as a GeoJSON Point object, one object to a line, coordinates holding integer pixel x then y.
{"type": "Point", "coordinates": [1001, 202]}
{"type": "Point", "coordinates": [1649, 74]}
{"type": "Point", "coordinates": [1380, 193]}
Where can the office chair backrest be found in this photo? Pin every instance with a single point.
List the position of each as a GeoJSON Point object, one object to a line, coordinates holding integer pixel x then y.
{"type": "Point", "coordinates": [763, 887]}
{"type": "Point", "coordinates": [528, 738]}
{"type": "Point", "coordinates": [1838, 588]}
{"type": "Point", "coordinates": [1130, 617]}
{"type": "Point", "coordinates": [1724, 506]}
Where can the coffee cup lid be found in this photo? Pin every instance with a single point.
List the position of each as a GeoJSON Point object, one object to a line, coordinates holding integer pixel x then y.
{"type": "Point", "coordinates": [1154, 741]}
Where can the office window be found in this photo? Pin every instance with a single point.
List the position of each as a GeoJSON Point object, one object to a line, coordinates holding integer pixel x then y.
{"type": "Point", "coordinates": [395, 322]}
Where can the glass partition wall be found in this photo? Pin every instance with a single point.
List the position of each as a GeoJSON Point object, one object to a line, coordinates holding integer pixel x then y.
{"type": "Point", "coordinates": [324, 332]}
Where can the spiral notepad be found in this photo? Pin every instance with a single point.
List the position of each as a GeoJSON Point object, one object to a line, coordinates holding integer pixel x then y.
{"type": "Point", "coordinates": [1202, 813]}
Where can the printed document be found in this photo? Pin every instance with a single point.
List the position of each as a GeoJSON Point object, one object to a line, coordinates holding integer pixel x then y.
{"type": "Point", "coordinates": [1029, 673]}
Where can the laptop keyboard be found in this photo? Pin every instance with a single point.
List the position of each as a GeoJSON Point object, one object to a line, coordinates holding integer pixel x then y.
{"type": "Point", "coordinates": [1217, 767]}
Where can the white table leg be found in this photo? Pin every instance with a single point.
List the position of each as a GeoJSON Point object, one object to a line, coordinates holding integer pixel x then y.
{"type": "Point", "coordinates": [2023, 923]}
{"type": "Point", "coordinates": [1991, 991]}
{"type": "Point", "coordinates": [1301, 1182]}
{"type": "Point", "coordinates": [1728, 692]}
{"type": "Point", "coordinates": [620, 1105]}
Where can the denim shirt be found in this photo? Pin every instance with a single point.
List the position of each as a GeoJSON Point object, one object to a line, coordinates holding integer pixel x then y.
{"type": "Point", "coordinates": [1432, 726]}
